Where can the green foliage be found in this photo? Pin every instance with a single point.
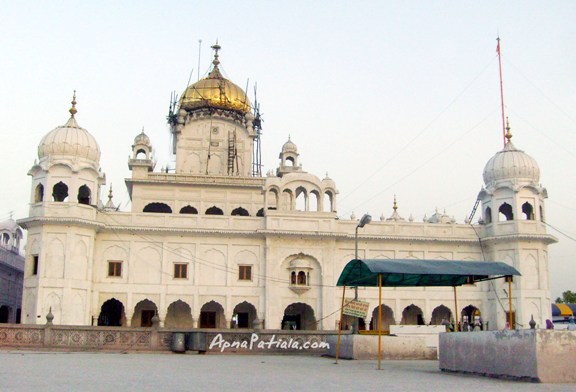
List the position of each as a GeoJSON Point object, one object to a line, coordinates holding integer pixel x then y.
{"type": "Point", "coordinates": [568, 297]}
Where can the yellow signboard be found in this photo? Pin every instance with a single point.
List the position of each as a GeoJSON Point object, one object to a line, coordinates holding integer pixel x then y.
{"type": "Point", "coordinates": [356, 308]}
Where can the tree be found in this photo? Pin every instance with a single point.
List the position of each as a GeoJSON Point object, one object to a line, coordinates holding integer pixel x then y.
{"type": "Point", "coordinates": [568, 297]}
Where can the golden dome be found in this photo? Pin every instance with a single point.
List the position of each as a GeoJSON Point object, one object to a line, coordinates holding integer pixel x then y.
{"type": "Point", "coordinates": [215, 91]}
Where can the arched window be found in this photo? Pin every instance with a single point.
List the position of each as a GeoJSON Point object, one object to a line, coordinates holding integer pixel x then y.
{"type": "Point", "coordinates": [84, 195]}
{"type": "Point", "coordinates": [188, 210]}
{"type": "Point", "coordinates": [240, 211]}
{"type": "Point", "coordinates": [301, 199]}
{"type": "Point", "coordinates": [214, 211]}
{"type": "Point", "coordinates": [293, 277]}
{"type": "Point", "coordinates": [160, 208]}
{"type": "Point", "coordinates": [506, 212]}
{"type": "Point", "coordinates": [260, 212]}
{"type": "Point", "coordinates": [328, 202]}
{"type": "Point", "coordinates": [314, 201]}
{"type": "Point", "coordinates": [39, 193]}
{"type": "Point", "coordinates": [60, 192]}
{"type": "Point", "coordinates": [302, 278]}
{"type": "Point", "coordinates": [488, 215]}
{"type": "Point", "coordinates": [141, 154]}
{"type": "Point", "coordinates": [528, 211]}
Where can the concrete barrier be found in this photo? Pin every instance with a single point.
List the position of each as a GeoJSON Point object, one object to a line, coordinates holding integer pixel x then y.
{"type": "Point", "coordinates": [533, 355]}
{"type": "Point", "coordinates": [393, 347]}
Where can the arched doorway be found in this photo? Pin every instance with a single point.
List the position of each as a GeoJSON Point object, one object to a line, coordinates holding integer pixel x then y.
{"type": "Point", "coordinates": [244, 315]}
{"type": "Point", "coordinates": [212, 315]}
{"type": "Point", "coordinates": [440, 314]}
{"type": "Point", "coordinates": [143, 313]}
{"type": "Point", "coordinates": [179, 315]}
{"type": "Point", "coordinates": [470, 318]}
{"type": "Point", "coordinates": [412, 315]}
{"type": "Point", "coordinates": [387, 318]}
{"type": "Point", "coordinates": [4, 314]}
{"type": "Point", "coordinates": [112, 314]}
{"type": "Point", "coordinates": [299, 316]}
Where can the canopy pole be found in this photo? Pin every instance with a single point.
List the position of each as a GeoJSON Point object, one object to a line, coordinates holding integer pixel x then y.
{"type": "Point", "coordinates": [456, 311]}
{"type": "Point", "coordinates": [379, 321]}
{"type": "Point", "coordinates": [509, 279]}
{"type": "Point", "coordinates": [340, 325]}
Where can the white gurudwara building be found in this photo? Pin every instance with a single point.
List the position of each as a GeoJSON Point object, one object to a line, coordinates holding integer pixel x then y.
{"type": "Point", "coordinates": [214, 244]}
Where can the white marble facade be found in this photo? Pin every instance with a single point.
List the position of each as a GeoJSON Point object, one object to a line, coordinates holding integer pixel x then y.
{"type": "Point", "coordinates": [11, 272]}
{"type": "Point", "coordinates": [215, 244]}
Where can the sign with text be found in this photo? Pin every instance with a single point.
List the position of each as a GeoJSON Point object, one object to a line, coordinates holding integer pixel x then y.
{"type": "Point", "coordinates": [356, 308]}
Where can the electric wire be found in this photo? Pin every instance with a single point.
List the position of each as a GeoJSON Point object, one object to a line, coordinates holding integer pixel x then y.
{"type": "Point", "coordinates": [419, 134]}
{"type": "Point", "coordinates": [417, 168]}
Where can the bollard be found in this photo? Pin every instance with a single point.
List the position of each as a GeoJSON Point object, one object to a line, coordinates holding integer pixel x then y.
{"type": "Point", "coordinates": [178, 344]}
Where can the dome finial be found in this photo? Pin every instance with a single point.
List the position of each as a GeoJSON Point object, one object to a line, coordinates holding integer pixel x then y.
{"type": "Point", "coordinates": [216, 48]}
{"type": "Point", "coordinates": [73, 110]}
{"type": "Point", "coordinates": [395, 206]}
{"type": "Point", "coordinates": [508, 134]}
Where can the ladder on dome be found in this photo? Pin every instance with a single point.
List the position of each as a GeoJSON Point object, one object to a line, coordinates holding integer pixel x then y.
{"type": "Point", "coordinates": [474, 210]}
{"type": "Point", "coordinates": [231, 152]}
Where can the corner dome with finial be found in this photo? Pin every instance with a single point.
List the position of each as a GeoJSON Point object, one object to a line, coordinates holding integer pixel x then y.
{"type": "Point", "coordinates": [511, 164]}
{"type": "Point", "coordinates": [70, 140]}
{"type": "Point", "coordinates": [215, 91]}
{"type": "Point", "coordinates": [142, 138]}
{"type": "Point", "coordinates": [289, 146]}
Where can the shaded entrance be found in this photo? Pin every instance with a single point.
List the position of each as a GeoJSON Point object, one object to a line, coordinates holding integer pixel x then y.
{"type": "Point", "coordinates": [471, 318]}
{"type": "Point", "coordinates": [387, 318]}
{"type": "Point", "coordinates": [143, 313]}
{"type": "Point", "coordinates": [299, 316]}
{"type": "Point", "coordinates": [4, 314]}
{"type": "Point", "coordinates": [112, 314]}
{"type": "Point", "coordinates": [440, 314]}
{"type": "Point", "coordinates": [244, 315]}
{"type": "Point", "coordinates": [179, 315]}
{"type": "Point", "coordinates": [412, 315]}
{"type": "Point", "coordinates": [212, 315]}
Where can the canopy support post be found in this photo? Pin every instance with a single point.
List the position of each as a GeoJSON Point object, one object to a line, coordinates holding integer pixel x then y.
{"type": "Point", "coordinates": [340, 325]}
{"type": "Point", "coordinates": [509, 280]}
{"type": "Point", "coordinates": [456, 326]}
{"type": "Point", "coordinates": [379, 321]}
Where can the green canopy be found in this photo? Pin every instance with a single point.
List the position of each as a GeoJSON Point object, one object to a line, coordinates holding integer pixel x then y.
{"type": "Point", "coordinates": [410, 272]}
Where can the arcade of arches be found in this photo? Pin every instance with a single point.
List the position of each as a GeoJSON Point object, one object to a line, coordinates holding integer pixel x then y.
{"type": "Point", "coordinates": [297, 316]}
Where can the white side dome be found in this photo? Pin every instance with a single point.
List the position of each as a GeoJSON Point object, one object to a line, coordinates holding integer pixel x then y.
{"type": "Point", "coordinates": [70, 140]}
{"type": "Point", "coordinates": [511, 164]}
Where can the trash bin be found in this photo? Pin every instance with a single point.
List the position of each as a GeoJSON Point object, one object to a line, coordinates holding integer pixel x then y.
{"type": "Point", "coordinates": [196, 341]}
{"type": "Point", "coordinates": [178, 344]}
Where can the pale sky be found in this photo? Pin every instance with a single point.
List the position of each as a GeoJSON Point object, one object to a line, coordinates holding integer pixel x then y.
{"type": "Point", "coordinates": [388, 97]}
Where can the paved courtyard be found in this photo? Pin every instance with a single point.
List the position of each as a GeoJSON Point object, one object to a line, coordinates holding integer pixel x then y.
{"type": "Point", "coordinates": [36, 371]}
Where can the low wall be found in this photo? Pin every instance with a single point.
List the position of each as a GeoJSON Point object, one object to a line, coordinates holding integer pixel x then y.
{"type": "Point", "coordinates": [533, 355]}
{"type": "Point", "coordinates": [393, 347]}
{"type": "Point", "coordinates": [429, 333]}
{"type": "Point", "coordinates": [88, 338]}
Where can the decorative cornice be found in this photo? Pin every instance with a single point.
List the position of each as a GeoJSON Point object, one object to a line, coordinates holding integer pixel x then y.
{"type": "Point", "coordinates": [198, 179]}
{"type": "Point", "coordinates": [37, 221]}
{"type": "Point", "coordinates": [547, 238]}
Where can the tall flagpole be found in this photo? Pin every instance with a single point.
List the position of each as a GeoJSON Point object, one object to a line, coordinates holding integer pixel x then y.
{"type": "Point", "coordinates": [501, 91]}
